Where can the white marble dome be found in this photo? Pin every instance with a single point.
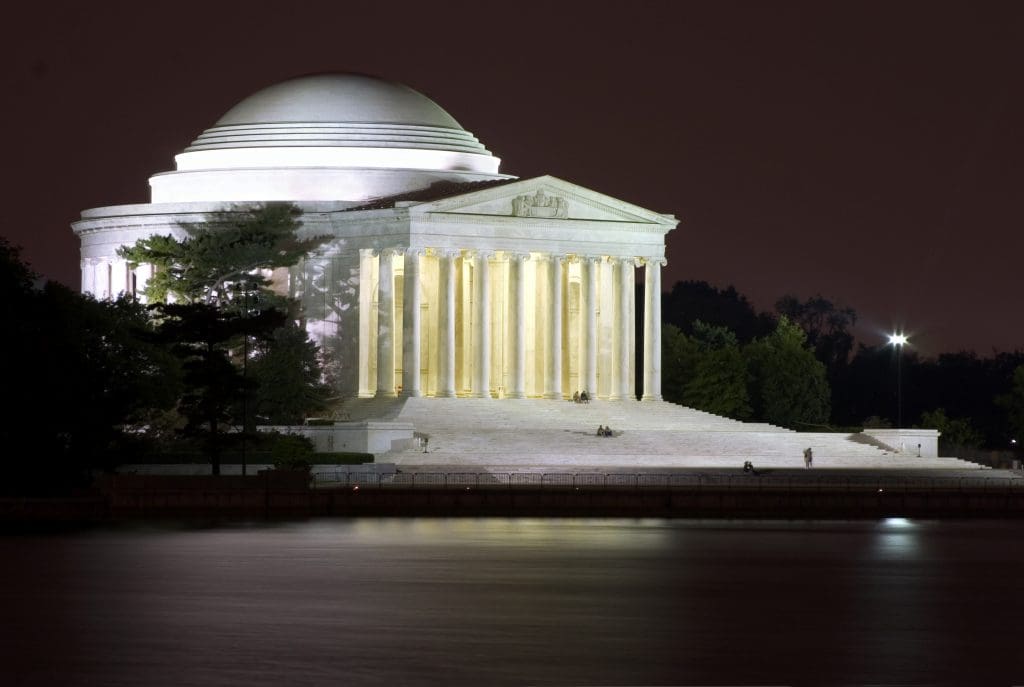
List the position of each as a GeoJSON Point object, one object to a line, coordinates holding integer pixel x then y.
{"type": "Point", "coordinates": [326, 137]}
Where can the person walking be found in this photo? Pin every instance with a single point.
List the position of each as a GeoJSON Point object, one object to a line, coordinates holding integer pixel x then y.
{"type": "Point", "coordinates": [808, 457]}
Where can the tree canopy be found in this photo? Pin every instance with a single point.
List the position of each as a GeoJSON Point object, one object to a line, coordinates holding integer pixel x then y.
{"type": "Point", "coordinates": [80, 376]}
{"type": "Point", "coordinates": [216, 273]}
{"type": "Point", "coordinates": [788, 384]}
{"type": "Point", "coordinates": [207, 263]}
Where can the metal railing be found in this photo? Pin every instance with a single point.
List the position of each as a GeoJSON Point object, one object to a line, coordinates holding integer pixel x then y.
{"type": "Point", "coordinates": [673, 480]}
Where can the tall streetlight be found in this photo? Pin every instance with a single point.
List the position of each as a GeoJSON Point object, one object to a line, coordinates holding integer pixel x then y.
{"type": "Point", "coordinates": [899, 340]}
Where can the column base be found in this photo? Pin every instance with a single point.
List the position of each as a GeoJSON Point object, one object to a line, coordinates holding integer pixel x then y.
{"type": "Point", "coordinates": [411, 394]}
{"type": "Point", "coordinates": [516, 394]}
{"type": "Point", "coordinates": [476, 395]}
{"type": "Point", "coordinates": [446, 394]}
{"type": "Point", "coordinates": [645, 397]}
{"type": "Point", "coordinates": [554, 396]}
{"type": "Point", "coordinates": [385, 394]}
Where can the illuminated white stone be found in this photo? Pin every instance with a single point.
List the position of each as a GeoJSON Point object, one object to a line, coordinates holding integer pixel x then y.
{"type": "Point", "coordinates": [508, 288]}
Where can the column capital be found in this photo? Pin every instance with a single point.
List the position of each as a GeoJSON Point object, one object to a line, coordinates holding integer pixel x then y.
{"type": "Point", "coordinates": [518, 257]}
{"type": "Point", "coordinates": [660, 262]}
{"type": "Point", "coordinates": [481, 254]}
{"type": "Point", "coordinates": [386, 252]}
{"type": "Point", "coordinates": [413, 252]}
{"type": "Point", "coordinates": [450, 253]}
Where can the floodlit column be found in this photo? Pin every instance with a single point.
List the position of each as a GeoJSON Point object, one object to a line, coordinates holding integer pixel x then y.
{"type": "Point", "coordinates": [481, 325]}
{"type": "Point", "coordinates": [590, 266]}
{"type": "Point", "coordinates": [366, 257]}
{"type": "Point", "coordinates": [88, 277]}
{"type": "Point", "coordinates": [118, 278]}
{"type": "Point", "coordinates": [386, 325]}
{"type": "Point", "coordinates": [411, 323]}
{"type": "Point", "coordinates": [102, 272]}
{"type": "Point", "coordinates": [652, 329]}
{"type": "Point", "coordinates": [446, 324]}
{"type": "Point", "coordinates": [623, 322]}
{"type": "Point", "coordinates": [553, 360]}
{"type": "Point", "coordinates": [517, 311]}
{"type": "Point", "coordinates": [143, 273]}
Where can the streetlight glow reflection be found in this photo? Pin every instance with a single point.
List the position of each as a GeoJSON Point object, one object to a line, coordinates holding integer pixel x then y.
{"type": "Point", "coordinates": [899, 341]}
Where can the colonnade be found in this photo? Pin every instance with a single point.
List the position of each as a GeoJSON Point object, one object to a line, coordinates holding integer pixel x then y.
{"type": "Point", "coordinates": [108, 278]}
{"type": "Point", "coordinates": [617, 303]}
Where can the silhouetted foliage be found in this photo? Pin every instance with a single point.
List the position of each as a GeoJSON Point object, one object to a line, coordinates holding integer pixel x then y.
{"type": "Point", "coordinates": [719, 381]}
{"type": "Point", "coordinates": [690, 301]}
{"type": "Point", "coordinates": [1012, 403]}
{"type": "Point", "coordinates": [287, 375]}
{"type": "Point", "coordinates": [679, 357]}
{"type": "Point", "coordinates": [226, 318]}
{"type": "Point", "coordinates": [80, 377]}
{"type": "Point", "coordinates": [953, 432]}
{"type": "Point", "coordinates": [787, 383]}
{"type": "Point", "coordinates": [207, 263]}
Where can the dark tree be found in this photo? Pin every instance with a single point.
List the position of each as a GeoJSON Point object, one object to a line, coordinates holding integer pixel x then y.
{"type": "Point", "coordinates": [287, 377]}
{"type": "Point", "coordinates": [210, 260]}
{"type": "Point", "coordinates": [81, 377]}
{"type": "Point", "coordinates": [719, 382]}
{"type": "Point", "coordinates": [787, 383]}
{"type": "Point", "coordinates": [202, 336]}
{"type": "Point", "coordinates": [690, 301]}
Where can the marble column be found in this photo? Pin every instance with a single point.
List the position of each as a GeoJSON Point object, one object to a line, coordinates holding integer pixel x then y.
{"type": "Point", "coordinates": [143, 273]}
{"type": "Point", "coordinates": [118, 278]}
{"type": "Point", "coordinates": [652, 329]}
{"type": "Point", "coordinates": [553, 359]}
{"type": "Point", "coordinates": [481, 325]}
{"type": "Point", "coordinates": [446, 323]}
{"type": "Point", "coordinates": [517, 324]}
{"type": "Point", "coordinates": [590, 267]}
{"type": "Point", "coordinates": [102, 270]}
{"type": "Point", "coordinates": [620, 365]}
{"type": "Point", "coordinates": [366, 259]}
{"type": "Point", "coordinates": [411, 323]}
{"type": "Point", "coordinates": [88, 277]}
{"type": "Point", "coordinates": [386, 325]}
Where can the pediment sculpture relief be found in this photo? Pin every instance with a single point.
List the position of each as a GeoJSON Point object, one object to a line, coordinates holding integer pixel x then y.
{"type": "Point", "coordinates": [540, 204]}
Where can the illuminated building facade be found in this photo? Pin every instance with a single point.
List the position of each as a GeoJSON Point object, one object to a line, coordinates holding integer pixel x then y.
{"type": "Point", "coordinates": [442, 276]}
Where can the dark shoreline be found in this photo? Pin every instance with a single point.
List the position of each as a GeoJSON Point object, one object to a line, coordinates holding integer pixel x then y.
{"type": "Point", "coordinates": [254, 498]}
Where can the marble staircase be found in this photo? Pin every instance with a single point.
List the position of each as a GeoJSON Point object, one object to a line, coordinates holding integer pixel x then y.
{"type": "Point", "coordinates": [533, 433]}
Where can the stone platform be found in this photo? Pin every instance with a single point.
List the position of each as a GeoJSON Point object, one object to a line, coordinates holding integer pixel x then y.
{"type": "Point", "coordinates": [522, 435]}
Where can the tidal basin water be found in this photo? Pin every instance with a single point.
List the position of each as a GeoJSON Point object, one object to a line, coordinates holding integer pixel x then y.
{"type": "Point", "coordinates": [516, 601]}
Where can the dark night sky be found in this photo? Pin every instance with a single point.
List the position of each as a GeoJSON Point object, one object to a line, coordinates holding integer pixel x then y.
{"type": "Point", "coordinates": [870, 152]}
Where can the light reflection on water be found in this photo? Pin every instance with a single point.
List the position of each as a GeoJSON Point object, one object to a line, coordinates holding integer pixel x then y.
{"type": "Point", "coordinates": [517, 601]}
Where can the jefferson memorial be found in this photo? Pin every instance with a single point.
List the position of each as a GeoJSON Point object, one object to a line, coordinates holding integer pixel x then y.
{"type": "Point", "coordinates": [442, 277]}
{"type": "Point", "coordinates": [444, 284]}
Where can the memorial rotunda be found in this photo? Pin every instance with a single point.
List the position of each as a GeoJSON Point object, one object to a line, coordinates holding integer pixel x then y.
{"type": "Point", "coordinates": [442, 276]}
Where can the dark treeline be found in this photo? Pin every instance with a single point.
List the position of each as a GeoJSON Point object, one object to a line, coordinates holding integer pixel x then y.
{"type": "Point", "coordinates": [975, 401]}
{"type": "Point", "coordinates": [94, 384]}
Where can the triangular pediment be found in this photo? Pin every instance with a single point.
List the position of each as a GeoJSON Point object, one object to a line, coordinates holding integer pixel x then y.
{"type": "Point", "coordinates": [544, 198]}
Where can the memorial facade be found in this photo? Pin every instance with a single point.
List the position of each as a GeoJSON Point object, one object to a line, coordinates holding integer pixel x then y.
{"type": "Point", "coordinates": [440, 275]}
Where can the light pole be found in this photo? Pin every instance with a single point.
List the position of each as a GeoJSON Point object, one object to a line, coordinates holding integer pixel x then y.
{"type": "Point", "coordinates": [899, 340]}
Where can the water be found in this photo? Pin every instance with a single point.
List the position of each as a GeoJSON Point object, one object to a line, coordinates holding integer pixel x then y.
{"type": "Point", "coordinates": [517, 601]}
